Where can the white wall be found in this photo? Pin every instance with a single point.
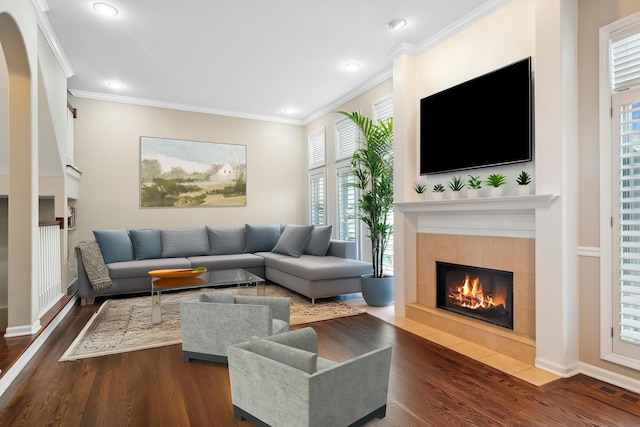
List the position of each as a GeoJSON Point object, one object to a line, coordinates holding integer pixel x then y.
{"type": "Point", "coordinates": [107, 136]}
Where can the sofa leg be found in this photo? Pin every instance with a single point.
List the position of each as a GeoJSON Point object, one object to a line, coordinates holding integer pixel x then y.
{"type": "Point", "coordinates": [87, 300]}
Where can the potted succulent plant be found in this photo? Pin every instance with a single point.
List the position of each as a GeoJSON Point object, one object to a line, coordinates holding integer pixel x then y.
{"type": "Point", "coordinates": [523, 180]}
{"type": "Point", "coordinates": [474, 184]}
{"type": "Point", "coordinates": [438, 192]}
{"type": "Point", "coordinates": [496, 181]}
{"type": "Point", "coordinates": [420, 188]}
{"type": "Point", "coordinates": [456, 184]}
{"type": "Point", "coordinates": [372, 167]}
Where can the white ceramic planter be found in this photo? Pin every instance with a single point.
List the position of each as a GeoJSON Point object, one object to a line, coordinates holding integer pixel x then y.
{"type": "Point", "coordinates": [473, 193]}
{"type": "Point", "coordinates": [455, 195]}
{"type": "Point", "coordinates": [438, 195]}
{"type": "Point", "coordinates": [524, 190]}
{"type": "Point", "coordinates": [495, 191]}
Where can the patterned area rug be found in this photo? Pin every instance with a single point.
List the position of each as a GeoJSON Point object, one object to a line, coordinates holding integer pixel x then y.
{"type": "Point", "coordinates": [122, 325]}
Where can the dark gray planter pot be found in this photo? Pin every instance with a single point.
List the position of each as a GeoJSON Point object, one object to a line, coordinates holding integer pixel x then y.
{"type": "Point", "coordinates": [377, 292]}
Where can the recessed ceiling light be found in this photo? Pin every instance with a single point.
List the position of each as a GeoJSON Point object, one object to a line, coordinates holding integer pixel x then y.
{"type": "Point", "coordinates": [115, 85]}
{"type": "Point", "coordinates": [289, 110]}
{"type": "Point", "coordinates": [352, 66]}
{"type": "Point", "coordinates": [105, 9]}
{"type": "Point", "coordinates": [396, 24]}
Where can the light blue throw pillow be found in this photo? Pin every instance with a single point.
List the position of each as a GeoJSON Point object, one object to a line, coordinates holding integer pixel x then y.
{"type": "Point", "coordinates": [115, 245]}
{"type": "Point", "coordinates": [147, 244]}
{"type": "Point", "coordinates": [226, 240]}
{"type": "Point", "coordinates": [184, 242]}
{"type": "Point", "coordinates": [293, 240]}
{"type": "Point", "coordinates": [319, 241]}
{"type": "Point", "coordinates": [261, 238]}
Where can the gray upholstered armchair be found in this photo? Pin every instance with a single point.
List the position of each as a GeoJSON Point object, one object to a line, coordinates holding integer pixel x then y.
{"type": "Point", "coordinates": [281, 381]}
{"type": "Point", "coordinates": [217, 320]}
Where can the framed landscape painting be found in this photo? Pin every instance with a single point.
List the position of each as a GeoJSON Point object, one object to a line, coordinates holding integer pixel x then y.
{"type": "Point", "coordinates": [180, 173]}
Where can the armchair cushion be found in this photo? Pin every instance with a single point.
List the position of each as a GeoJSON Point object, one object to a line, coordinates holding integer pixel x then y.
{"type": "Point", "coordinates": [219, 297]}
{"type": "Point", "coordinates": [291, 356]}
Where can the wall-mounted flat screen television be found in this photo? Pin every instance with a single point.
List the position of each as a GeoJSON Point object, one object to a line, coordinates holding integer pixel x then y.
{"type": "Point", "coordinates": [486, 121]}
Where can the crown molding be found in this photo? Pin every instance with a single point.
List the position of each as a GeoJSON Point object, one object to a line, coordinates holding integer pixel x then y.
{"type": "Point", "coordinates": [453, 29]}
{"type": "Point", "coordinates": [376, 80]}
{"type": "Point", "coordinates": [181, 107]}
{"type": "Point", "coordinates": [45, 26]}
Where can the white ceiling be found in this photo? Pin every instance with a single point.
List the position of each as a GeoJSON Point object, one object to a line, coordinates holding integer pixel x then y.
{"type": "Point", "coordinates": [244, 58]}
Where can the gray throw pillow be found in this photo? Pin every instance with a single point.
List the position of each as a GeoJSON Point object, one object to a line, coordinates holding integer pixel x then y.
{"type": "Point", "coordinates": [147, 244]}
{"type": "Point", "coordinates": [319, 241]}
{"type": "Point", "coordinates": [293, 240]}
{"type": "Point", "coordinates": [184, 242]}
{"type": "Point", "coordinates": [291, 356]}
{"type": "Point", "coordinates": [115, 245]}
{"type": "Point", "coordinates": [226, 240]}
{"type": "Point", "coordinates": [219, 297]}
{"type": "Point", "coordinates": [261, 238]}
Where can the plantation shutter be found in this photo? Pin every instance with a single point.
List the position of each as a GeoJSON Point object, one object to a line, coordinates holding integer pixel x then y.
{"type": "Point", "coordinates": [346, 138]}
{"type": "Point", "coordinates": [347, 222]}
{"type": "Point", "coordinates": [383, 108]}
{"type": "Point", "coordinates": [625, 62]}
{"type": "Point", "coordinates": [626, 221]}
{"type": "Point", "coordinates": [317, 209]}
{"type": "Point", "coordinates": [317, 149]}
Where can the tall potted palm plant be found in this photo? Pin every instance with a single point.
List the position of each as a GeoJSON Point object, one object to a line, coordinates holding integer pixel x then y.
{"type": "Point", "coordinates": [372, 167]}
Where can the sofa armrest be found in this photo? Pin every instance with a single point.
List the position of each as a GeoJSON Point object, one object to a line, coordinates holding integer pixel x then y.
{"type": "Point", "coordinates": [343, 249]}
{"type": "Point", "coordinates": [280, 306]}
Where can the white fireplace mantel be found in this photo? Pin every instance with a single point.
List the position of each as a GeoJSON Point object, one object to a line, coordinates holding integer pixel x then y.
{"type": "Point", "coordinates": [507, 216]}
{"type": "Point", "coordinates": [482, 204]}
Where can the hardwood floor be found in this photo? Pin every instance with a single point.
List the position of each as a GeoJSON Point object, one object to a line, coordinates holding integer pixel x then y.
{"type": "Point", "coordinates": [430, 385]}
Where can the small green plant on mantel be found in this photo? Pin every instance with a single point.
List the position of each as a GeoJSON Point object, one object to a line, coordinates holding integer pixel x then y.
{"type": "Point", "coordinates": [496, 180]}
{"type": "Point", "coordinates": [456, 183]}
{"type": "Point", "coordinates": [419, 187]}
{"type": "Point", "coordinates": [438, 188]}
{"type": "Point", "coordinates": [474, 182]}
{"type": "Point", "coordinates": [523, 178]}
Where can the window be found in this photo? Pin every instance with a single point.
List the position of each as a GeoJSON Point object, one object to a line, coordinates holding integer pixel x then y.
{"type": "Point", "coordinates": [346, 138]}
{"type": "Point", "coordinates": [620, 193]}
{"type": "Point", "coordinates": [347, 222]}
{"type": "Point", "coordinates": [317, 196]}
{"type": "Point", "coordinates": [317, 149]}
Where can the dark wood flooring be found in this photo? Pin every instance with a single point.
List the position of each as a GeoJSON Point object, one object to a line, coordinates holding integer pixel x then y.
{"type": "Point", "coordinates": [430, 385]}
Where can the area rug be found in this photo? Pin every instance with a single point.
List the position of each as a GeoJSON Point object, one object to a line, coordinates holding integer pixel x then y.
{"type": "Point", "coordinates": [124, 324]}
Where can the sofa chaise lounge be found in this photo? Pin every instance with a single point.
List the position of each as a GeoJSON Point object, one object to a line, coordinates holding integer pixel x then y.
{"type": "Point", "coordinates": [303, 258]}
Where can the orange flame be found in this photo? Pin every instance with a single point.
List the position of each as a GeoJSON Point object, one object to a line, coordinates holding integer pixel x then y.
{"type": "Point", "coordinates": [470, 294]}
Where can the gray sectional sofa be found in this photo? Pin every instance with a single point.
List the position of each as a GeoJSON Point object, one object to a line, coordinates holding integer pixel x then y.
{"type": "Point", "coordinates": [303, 258]}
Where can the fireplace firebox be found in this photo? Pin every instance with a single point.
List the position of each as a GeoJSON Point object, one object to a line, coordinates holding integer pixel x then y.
{"type": "Point", "coordinates": [480, 293]}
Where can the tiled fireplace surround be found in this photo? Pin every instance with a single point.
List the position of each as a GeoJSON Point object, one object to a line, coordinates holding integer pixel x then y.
{"type": "Point", "coordinates": [496, 234]}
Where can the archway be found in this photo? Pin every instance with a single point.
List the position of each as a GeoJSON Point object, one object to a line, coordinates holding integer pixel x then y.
{"type": "Point", "coordinates": [22, 188]}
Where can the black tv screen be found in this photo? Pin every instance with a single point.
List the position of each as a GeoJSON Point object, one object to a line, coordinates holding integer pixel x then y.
{"type": "Point", "coordinates": [486, 121]}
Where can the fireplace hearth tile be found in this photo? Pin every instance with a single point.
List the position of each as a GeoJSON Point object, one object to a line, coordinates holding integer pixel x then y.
{"type": "Point", "coordinates": [473, 351]}
{"type": "Point", "coordinates": [504, 363]}
{"type": "Point", "coordinates": [446, 340]}
{"type": "Point", "coordinates": [536, 376]}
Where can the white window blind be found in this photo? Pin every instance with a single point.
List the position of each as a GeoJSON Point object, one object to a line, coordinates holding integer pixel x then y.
{"type": "Point", "coordinates": [625, 62]}
{"type": "Point", "coordinates": [346, 138]}
{"type": "Point", "coordinates": [316, 148]}
{"type": "Point", "coordinates": [628, 222]}
{"type": "Point", "coordinates": [383, 108]}
{"type": "Point", "coordinates": [347, 223]}
{"type": "Point", "coordinates": [317, 207]}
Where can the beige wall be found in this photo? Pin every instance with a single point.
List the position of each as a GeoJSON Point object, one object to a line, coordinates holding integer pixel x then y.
{"type": "Point", "coordinates": [107, 136]}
